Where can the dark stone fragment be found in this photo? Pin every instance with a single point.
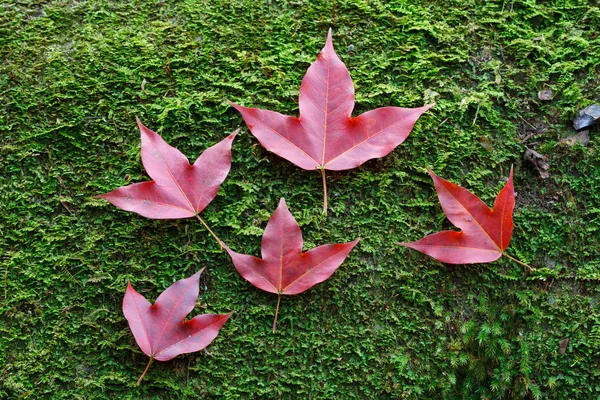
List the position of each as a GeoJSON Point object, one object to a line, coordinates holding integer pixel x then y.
{"type": "Point", "coordinates": [586, 117]}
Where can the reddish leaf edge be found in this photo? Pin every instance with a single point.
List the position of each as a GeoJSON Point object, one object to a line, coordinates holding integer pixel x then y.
{"type": "Point", "coordinates": [139, 381]}
{"type": "Point", "coordinates": [279, 294]}
{"type": "Point", "coordinates": [353, 244]}
{"type": "Point", "coordinates": [503, 253]}
{"type": "Point", "coordinates": [320, 166]}
{"type": "Point", "coordinates": [231, 136]}
{"type": "Point", "coordinates": [151, 360]}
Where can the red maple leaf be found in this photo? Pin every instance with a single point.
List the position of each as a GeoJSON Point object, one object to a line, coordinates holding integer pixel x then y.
{"type": "Point", "coordinates": [283, 268]}
{"type": "Point", "coordinates": [178, 189]}
{"type": "Point", "coordinates": [485, 234]}
{"type": "Point", "coordinates": [161, 330]}
{"type": "Point", "coordinates": [325, 136]}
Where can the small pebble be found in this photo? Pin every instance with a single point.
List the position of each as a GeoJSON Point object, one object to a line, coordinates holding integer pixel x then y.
{"type": "Point", "coordinates": [580, 137]}
{"type": "Point", "coordinates": [545, 95]}
{"type": "Point", "coordinates": [562, 346]}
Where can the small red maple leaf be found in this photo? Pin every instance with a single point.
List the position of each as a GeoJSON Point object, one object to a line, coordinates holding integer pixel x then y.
{"type": "Point", "coordinates": [283, 268]}
{"type": "Point", "coordinates": [161, 330]}
{"type": "Point", "coordinates": [485, 234]}
{"type": "Point", "coordinates": [325, 136]}
{"type": "Point", "coordinates": [178, 189]}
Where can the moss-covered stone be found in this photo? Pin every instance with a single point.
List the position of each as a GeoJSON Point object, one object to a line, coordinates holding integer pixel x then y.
{"type": "Point", "coordinates": [391, 323]}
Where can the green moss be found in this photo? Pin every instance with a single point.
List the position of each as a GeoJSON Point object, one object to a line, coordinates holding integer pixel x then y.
{"type": "Point", "coordinates": [390, 323]}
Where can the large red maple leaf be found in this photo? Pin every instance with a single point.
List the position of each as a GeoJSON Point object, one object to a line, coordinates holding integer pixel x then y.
{"type": "Point", "coordinates": [485, 234]}
{"type": "Point", "coordinates": [178, 189]}
{"type": "Point", "coordinates": [283, 268]}
{"type": "Point", "coordinates": [325, 136]}
{"type": "Point", "coordinates": [161, 330]}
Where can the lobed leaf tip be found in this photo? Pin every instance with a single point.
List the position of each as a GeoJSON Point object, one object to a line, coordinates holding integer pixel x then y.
{"type": "Point", "coordinates": [196, 276]}
{"type": "Point", "coordinates": [353, 243]}
{"type": "Point", "coordinates": [329, 41]}
{"type": "Point", "coordinates": [233, 134]}
{"type": "Point", "coordinates": [232, 253]}
{"type": "Point", "coordinates": [139, 122]}
{"type": "Point", "coordinates": [235, 105]}
{"type": "Point", "coordinates": [143, 128]}
{"type": "Point", "coordinates": [130, 290]}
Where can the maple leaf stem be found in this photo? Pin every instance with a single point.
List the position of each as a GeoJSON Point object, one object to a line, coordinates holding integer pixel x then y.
{"type": "Point", "coordinates": [276, 313]}
{"type": "Point", "coordinates": [324, 191]}
{"type": "Point", "coordinates": [211, 232]}
{"type": "Point", "coordinates": [519, 262]}
{"type": "Point", "coordinates": [146, 370]}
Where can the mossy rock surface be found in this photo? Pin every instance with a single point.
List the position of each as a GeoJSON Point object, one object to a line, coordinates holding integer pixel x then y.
{"type": "Point", "coordinates": [391, 322]}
